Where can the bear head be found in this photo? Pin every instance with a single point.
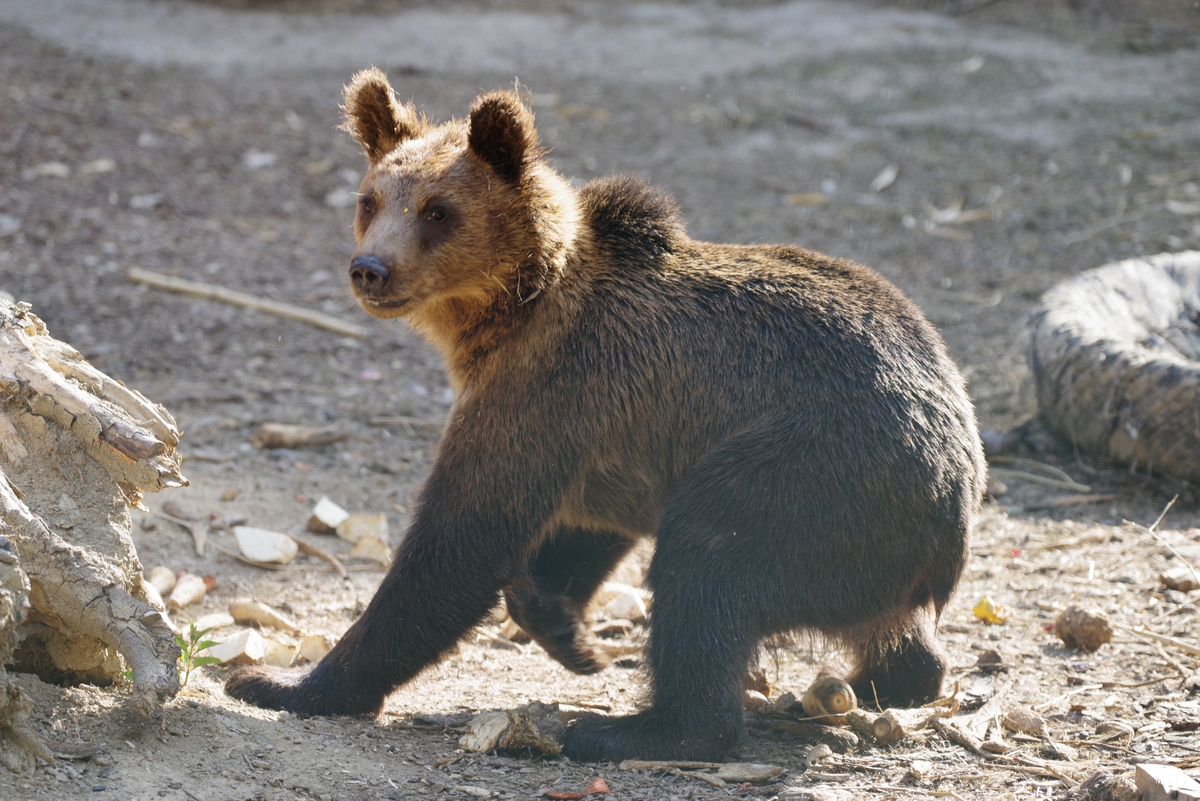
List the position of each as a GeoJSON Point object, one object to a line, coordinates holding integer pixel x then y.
{"type": "Point", "coordinates": [456, 220]}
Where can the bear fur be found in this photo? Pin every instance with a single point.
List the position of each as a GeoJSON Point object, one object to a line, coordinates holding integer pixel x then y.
{"type": "Point", "coordinates": [786, 424]}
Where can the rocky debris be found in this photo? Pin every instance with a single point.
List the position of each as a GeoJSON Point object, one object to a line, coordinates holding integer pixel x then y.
{"type": "Point", "coordinates": [248, 610]}
{"type": "Point", "coordinates": [263, 545]}
{"type": "Point", "coordinates": [1083, 627]}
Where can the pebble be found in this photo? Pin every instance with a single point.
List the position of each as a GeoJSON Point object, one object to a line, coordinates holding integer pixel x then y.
{"type": "Point", "coordinates": [341, 198]}
{"type": "Point", "coordinates": [357, 526]}
{"type": "Point", "coordinates": [262, 545]}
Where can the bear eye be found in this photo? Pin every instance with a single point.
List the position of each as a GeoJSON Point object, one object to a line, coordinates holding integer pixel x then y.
{"type": "Point", "coordinates": [366, 202]}
{"type": "Point", "coordinates": [437, 213]}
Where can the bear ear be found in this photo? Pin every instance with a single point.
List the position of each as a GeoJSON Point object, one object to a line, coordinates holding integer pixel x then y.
{"type": "Point", "coordinates": [502, 134]}
{"type": "Point", "coordinates": [374, 118]}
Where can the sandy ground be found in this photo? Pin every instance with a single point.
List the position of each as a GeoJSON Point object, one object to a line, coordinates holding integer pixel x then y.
{"type": "Point", "coordinates": [1061, 128]}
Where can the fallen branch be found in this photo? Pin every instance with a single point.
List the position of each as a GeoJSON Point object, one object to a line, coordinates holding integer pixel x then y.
{"type": "Point", "coordinates": [653, 764]}
{"type": "Point", "coordinates": [319, 552]}
{"type": "Point", "coordinates": [1164, 639]}
{"type": "Point", "coordinates": [235, 298]}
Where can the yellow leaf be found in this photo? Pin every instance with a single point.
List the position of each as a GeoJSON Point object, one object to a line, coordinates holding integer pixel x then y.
{"type": "Point", "coordinates": [990, 612]}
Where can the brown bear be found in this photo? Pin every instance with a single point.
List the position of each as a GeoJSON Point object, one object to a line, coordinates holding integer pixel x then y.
{"type": "Point", "coordinates": [786, 424]}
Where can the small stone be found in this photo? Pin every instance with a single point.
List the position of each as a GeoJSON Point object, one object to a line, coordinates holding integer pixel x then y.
{"type": "Point", "coordinates": [1026, 721]}
{"type": "Point", "coordinates": [97, 166]}
{"type": "Point", "coordinates": [326, 516]}
{"type": "Point", "coordinates": [622, 601]}
{"type": "Point", "coordinates": [1080, 627]}
{"type": "Point", "coordinates": [341, 198]}
{"type": "Point", "coordinates": [146, 202]}
{"type": "Point", "coordinates": [262, 545]}
{"type": "Point", "coordinates": [189, 589]}
{"type": "Point", "coordinates": [230, 494]}
{"type": "Point", "coordinates": [357, 526]}
{"type": "Point", "coordinates": [1053, 750]}
{"type": "Point", "coordinates": [47, 169]}
{"type": "Point", "coordinates": [816, 754]}
{"type": "Point", "coordinates": [163, 578]}
{"type": "Point", "coordinates": [256, 159]}
{"type": "Point", "coordinates": [373, 548]}
{"type": "Point", "coordinates": [755, 701]}
{"type": "Point", "coordinates": [213, 621]}
{"type": "Point", "coordinates": [244, 648]}
{"type": "Point", "coordinates": [1179, 578]}
{"type": "Point", "coordinates": [314, 647]}
{"type": "Point", "coordinates": [989, 661]}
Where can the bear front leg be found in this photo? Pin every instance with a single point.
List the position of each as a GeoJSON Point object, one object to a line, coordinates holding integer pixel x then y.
{"type": "Point", "coordinates": [475, 523]}
{"type": "Point", "coordinates": [563, 576]}
{"type": "Point", "coordinates": [424, 605]}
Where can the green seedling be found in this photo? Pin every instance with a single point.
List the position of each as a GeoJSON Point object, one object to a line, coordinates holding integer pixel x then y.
{"type": "Point", "coordinates": [191, 648]}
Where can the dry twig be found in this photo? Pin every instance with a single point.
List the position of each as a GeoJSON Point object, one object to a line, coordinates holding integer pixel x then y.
{"type": "Point", "coordinates": [233, 297]}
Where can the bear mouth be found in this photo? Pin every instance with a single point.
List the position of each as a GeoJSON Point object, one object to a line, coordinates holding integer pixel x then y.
{"type": "Point", "coordinates": [383, 307]}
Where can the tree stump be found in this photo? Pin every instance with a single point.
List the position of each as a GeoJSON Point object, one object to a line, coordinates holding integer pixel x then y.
{"type": "Point", "coordinates": [77, 449]}
{"type": "Point", "coordinates": [1116, 361]}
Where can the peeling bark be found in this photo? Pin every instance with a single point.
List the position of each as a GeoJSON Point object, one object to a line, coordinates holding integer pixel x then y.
{"type": "Point", "coordinates": [1116, 360]}
{"type": "Point", "coordinates": [77, 449]}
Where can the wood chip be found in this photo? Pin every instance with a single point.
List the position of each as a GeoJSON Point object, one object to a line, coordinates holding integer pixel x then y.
{"type": "Point", "coordinates": [1165, 783]}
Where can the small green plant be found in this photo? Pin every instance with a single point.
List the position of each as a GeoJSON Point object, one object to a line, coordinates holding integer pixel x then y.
{"type": "Point", "coordinates": [191, 647]}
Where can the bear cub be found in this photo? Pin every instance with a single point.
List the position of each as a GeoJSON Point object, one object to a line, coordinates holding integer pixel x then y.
{"type": "Point", "coordinates": [785, 424]}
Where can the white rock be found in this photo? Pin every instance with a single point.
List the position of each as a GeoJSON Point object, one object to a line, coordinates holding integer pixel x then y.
{"type": "Point", "coordinates": [357, 526]}
{"type": "Point", "coordinates": [162, 577]}
{"type": "Point", "coordinates": [244, 648]}
{"type": "Point", "coordinates": [326, 516]}
{"type": "Point", "coordinates": [279, 655]}
{"type": "Point", "coordinates": [622, 601]}
{"type": "Point", "coordinates": [262, 545]}
{"type": "Point", "coordinates": [188, 590]}
{"type": "Point", "coordinates": [373, 548]}
{"type": "Point", "coordinates": [98, 166]}
{"type": "Point", "coordinates": [341, 198]}
{"type": "Point", "coordinates": [248, 610]}
{"type": "Point", "coordinates": [314, 647]}
{"type": "Point", "coordinates": [146, 202]}
{"type": "Point", "coordinates": [47, 169]}
{"type": "Point", "coordinates": [213, 621]}
{"type": "Point", "coordinates": [257, 159]}
{"type": "Point", "coordinates": [9, 225]}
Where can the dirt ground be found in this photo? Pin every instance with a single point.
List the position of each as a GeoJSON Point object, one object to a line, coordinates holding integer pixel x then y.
{"type": "Point", "coordinates": [197, 139]}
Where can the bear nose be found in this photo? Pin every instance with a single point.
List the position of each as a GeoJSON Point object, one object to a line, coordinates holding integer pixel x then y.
{"type": "Point", "coordinates": [368, 274]}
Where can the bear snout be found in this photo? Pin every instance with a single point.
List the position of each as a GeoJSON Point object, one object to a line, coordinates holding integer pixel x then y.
{"type": "Point", "coordinates": [369, 275]}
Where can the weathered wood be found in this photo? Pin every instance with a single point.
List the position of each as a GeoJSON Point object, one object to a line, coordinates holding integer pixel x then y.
{"type": "Point", "coordinates": [77, 449]}
{"type": "Point", "coordinates": [1114, 359]}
